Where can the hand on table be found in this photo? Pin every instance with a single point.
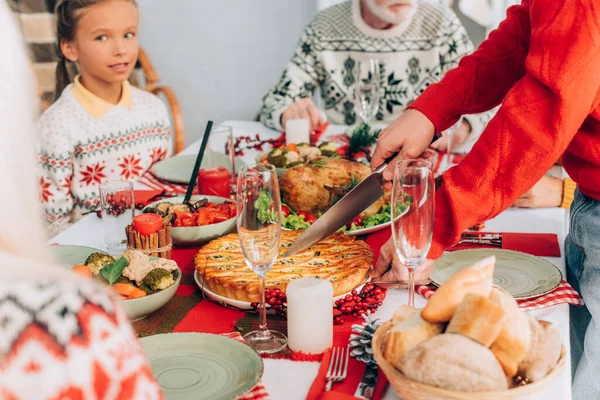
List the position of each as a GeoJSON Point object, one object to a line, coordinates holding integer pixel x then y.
{"type": "Point", "coordinates": [303, 109]}
{"type": "Point", "coordinates": [547, 192]}
{"type": "Point", "coordinates": [388, 267]}
{"type": "Point", "coordinates": [457, 138]}
{"type": "Point", "coordinates": [411, 133]}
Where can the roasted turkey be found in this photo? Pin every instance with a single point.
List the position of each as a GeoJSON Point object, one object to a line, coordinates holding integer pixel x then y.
{"type": "Point", "coordinates": [313, 187]}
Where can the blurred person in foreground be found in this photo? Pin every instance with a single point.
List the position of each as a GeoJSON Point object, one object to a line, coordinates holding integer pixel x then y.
{"type": "Point", "coordinates": [61, 335]}
{"type": "Point", "coordinates": [542, 64]}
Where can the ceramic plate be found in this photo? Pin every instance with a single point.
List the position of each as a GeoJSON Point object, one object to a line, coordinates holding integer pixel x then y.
{"type": "Point", "coordinates": [240, 305]}
{"type": "Point", "coordinates": [202, 366]}
{"type": "Point", "coordinates": [179, 169]}
{"type": "Point", "coordinates": [522, 275]}
{"type": "Point", "coordinates": [70, 255]}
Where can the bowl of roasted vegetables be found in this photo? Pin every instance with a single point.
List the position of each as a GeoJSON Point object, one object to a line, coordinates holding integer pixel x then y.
{"type": "Point", "coordinates": [144, 284]}
{"type": "Point", "coordinates": [200, 220]}
{"type": "Point", "coordinates": [291, 155]}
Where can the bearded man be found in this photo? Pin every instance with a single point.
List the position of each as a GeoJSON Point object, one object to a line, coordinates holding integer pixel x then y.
{"type": "Point", "coordinates": [416, 44]}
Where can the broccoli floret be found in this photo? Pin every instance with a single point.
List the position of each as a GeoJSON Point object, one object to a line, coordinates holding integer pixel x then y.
{"type": "Point", "coordinates": [277, 158]}
{"type": "Point", "coordinates": [158, 279]}
{"type": "Point", "coordinates": [97, 261]}
{"type": "Point", "coordinates": [124, 279]}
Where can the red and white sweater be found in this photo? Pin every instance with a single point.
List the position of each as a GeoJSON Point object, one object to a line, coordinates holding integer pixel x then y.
{"type": "Point", "coordinates": [86, 141]}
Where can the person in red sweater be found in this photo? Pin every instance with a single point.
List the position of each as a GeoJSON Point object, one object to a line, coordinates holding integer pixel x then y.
{"type": "Point", "coordinates": [542, 64]}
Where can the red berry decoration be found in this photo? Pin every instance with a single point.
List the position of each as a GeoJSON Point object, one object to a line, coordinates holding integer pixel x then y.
{"type": "Point", "coordinates": [352, 305]}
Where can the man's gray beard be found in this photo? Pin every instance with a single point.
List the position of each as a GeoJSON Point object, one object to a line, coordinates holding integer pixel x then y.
{"type": "Point", "coordinates": [384, 14]}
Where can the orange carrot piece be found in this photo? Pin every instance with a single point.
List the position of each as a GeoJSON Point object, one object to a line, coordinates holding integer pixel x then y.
{"type": "Point", "coordinates": [82, 270]}
{"type": "Point", "coordinates": [292, 147]}
{"type": "Point", "coordinates": [124, 289]}
{"type": "Point", "coordinates": [137, 293]}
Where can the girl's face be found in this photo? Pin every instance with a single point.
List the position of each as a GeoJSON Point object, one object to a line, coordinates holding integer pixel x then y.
{"type": "Point", "coordinates": [105, 45]}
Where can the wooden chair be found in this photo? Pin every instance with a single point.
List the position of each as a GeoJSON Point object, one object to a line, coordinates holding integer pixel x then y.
{"type": "Point", "coordinates": [152, 85]}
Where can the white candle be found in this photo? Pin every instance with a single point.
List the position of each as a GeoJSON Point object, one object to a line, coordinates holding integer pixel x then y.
{"type": "Point", "coordinates": [297, 131]}
{"type": "Point", "coordinates": [310, 315]}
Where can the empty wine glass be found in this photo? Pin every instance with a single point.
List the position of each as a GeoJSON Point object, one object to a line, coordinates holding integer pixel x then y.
{"type": "Point", "coordinates": [450, 133]}
{"type": "Point", "coordinates": [367, 89]}
{"type": "Point", "coordinates": [259, 229]}
{"type": "Point", "coordinates": [412, 230]}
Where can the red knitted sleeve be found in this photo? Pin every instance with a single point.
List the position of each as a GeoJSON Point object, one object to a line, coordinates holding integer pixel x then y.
{"type": "Point", "coordinates": [539, 116]}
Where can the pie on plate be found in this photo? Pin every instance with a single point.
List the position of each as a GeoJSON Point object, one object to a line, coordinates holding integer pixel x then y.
{"type": "Point", "coordinates": [339, 258]}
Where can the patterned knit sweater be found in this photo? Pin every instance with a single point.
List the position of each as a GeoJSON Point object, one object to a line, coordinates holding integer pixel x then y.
{"type": "Point", "coordinates": [411, 58]}
{"type": "Point", "coordinates": [79, 151]}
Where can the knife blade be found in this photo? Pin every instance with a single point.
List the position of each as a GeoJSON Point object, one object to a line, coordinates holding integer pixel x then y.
{"type": "Point", "coordinates": [367, 384]}
{"type": "Point", "coordinates": [353, 203]}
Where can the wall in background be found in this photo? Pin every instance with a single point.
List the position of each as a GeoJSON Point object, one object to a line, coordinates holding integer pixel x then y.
{"type": "Point", "coordinates": [221, 57]}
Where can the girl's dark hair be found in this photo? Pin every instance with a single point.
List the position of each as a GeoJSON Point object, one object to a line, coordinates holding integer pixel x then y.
{"type": "Point", "coordinates": [67, 15]}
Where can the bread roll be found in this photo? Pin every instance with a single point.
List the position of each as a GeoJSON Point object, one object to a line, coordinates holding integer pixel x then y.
{"type": "Point", "coordinates": [453, 362]}
{"type": "Point", "coordinates": [544, 352]}
{"type": "Point", "coordinates": [477, 318]}
{"type": "Point", "coordinates": [513, 341]}
{"type": "Point", "coordinates": [404, 312]}
{"type": "Point", "coordinates": [408, 333]}
{"type": "Point", "coordinates": [475, 279]}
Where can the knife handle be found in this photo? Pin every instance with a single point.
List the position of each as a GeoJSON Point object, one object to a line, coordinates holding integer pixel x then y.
{"type": "Point", "coordinates": [391, 158]}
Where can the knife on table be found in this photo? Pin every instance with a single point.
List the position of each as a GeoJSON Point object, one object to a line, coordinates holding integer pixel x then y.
{"type": "Point", "coordinates": [353, 203]}
{"type": "Point", "coordinates": [367, 384]}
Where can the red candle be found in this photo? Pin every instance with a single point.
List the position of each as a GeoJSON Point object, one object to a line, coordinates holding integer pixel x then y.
{"type": "Point", "coordinates": [214, 182]}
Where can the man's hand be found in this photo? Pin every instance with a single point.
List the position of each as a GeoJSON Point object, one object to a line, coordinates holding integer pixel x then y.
{"type": "Point", "coordinates": [410, 133]}
{"type": "Point", "coordinates": [547, 192]}
{"type": "Point", "coordinates": [458, 138]}
{"type": "Point", "coordinates": [389, 268]}
{"type": "Point", "coordinates": [303, 109]}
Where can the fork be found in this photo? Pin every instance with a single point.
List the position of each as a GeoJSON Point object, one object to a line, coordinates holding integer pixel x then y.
{"type": "Point", "coordinates": [338, 366]}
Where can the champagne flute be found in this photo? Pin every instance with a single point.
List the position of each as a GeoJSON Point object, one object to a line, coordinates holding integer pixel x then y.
{"type": "Point", "coordinates": [412, 230]}
{"type": "Point", "coordinates": [367, 89]}
{"type": "Point", "coordinates": [450, 132]}
{"type": "Point", "coordinates": [259, 229]}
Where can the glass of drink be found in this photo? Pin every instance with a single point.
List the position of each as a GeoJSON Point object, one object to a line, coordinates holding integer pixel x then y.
{"type": "Point", "coordinates": [259, 228]}
{"type": "Point", "coordinates": [117, 205]}
{"type": "Point", "coordinates": [367, 89]}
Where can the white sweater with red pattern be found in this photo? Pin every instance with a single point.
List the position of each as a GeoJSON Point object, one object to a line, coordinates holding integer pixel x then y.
{"type": "Point", "coordinates": [79, 152]}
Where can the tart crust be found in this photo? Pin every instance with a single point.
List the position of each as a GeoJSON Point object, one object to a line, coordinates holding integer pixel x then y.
{"type": "Point", "coordinates": [339, 258]}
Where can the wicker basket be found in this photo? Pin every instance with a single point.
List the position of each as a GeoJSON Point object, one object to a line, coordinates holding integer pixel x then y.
{"type": "Point", "coordinates": [412, 390]}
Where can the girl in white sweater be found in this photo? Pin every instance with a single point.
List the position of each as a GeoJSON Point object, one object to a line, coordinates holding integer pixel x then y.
{"type": "Point", "coordinates": [100, 128]}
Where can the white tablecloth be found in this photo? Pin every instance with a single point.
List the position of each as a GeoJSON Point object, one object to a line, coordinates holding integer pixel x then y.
{"type": "Point", "coordinates": [291, 380]}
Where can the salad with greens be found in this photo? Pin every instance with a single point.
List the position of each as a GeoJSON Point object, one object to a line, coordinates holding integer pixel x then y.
{"type": "Point", "coordinates": [299, 220]}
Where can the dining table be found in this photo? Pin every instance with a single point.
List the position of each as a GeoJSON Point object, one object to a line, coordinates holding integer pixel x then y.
{"type": "Point", "coordinates": [288, 379]}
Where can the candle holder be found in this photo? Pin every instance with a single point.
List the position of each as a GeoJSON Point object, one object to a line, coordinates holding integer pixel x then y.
{"type": "Point", "coordinates": [310, 315]}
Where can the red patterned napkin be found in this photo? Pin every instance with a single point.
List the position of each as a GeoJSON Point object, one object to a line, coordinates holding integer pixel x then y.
{"type": "Point", "coordinates": [564, 293]}
{"type": "Point", "coordinates": [259, 391]}
{"type": "Point", "coordinates": [153, 182]}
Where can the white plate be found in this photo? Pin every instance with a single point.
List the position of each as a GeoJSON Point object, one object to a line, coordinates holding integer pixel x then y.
{"type": "Point", "coordinates": [243, 305]}
{"type": "Point", "coordinates": [366, 231]}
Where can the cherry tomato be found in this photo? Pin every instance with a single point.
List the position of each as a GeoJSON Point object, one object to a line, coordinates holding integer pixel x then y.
{"type": "Point", "coordinates": [356, 221]}
{"type": "Point", "coordinates": [285, 210]}
{"type": "Point", "coordinates": [308, 217]}
{"type": "Point", "coordinates": [147, 224]}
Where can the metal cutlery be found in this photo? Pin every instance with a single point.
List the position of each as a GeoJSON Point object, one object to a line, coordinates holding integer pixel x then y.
{"type": "Point", "coordinates": [338, 366]}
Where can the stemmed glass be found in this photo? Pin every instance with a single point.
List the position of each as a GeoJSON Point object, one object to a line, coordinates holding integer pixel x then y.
{"type": "Point", "coordinates": [412, 230]}
{"type": "Point", "coordinates": [259, 229]}
{"type": "Point", "coordinates": [367, 89]}
{"type": "Point", "coordinates": [450, 132]}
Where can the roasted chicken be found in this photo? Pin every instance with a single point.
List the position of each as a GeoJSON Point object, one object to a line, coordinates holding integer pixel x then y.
{"type": "Point", "coordinates": [314, 187]}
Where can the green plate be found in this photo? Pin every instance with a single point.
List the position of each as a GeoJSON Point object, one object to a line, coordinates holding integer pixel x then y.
{"type": "Point", "coordinates": [202, 366]}
{"type": "Point", "coordinates": [179, 169]}
{"type": "Point", "coordinates": [522, 275]}
{"type": "Point", "coordinates": [70, 255]}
